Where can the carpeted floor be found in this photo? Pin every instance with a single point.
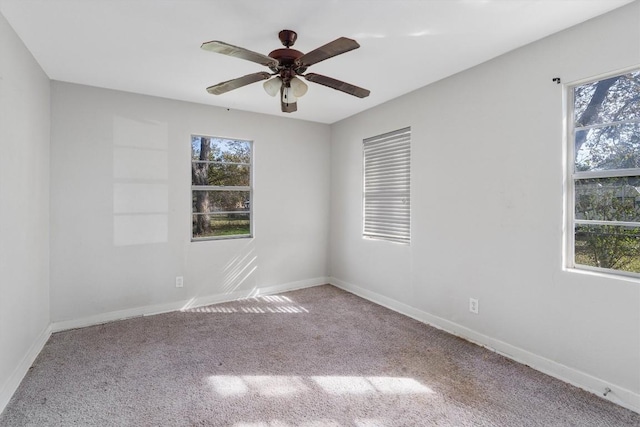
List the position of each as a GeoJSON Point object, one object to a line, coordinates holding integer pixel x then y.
{"type": "Point", "coordinates": [313, 357]}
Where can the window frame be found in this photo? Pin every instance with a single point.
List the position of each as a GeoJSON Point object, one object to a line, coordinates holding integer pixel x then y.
{"type": "Point", "coordinates": [216, 188]}
{"type": "Point", "coordinates": [573, 176]}
{"type": "Point", "coordinates": [399, 237]}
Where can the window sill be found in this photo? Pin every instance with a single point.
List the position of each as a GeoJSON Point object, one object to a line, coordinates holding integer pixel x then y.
{"type": "Point", "coordinates": [209, 239]}
{"type": "Point", "coordinates": [605, 274]}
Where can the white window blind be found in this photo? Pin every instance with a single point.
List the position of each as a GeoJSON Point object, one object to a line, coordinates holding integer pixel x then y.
{"type": "Point", "coordinates": [387, 186]}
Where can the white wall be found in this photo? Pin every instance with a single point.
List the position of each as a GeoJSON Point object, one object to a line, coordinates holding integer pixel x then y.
{"type": "Point", "coordinates": [487, 209]}
{"type": "Point", "coordinates": [487, 212]}
{"type": "Point", "coordinates": [120, 210]}
{"type": "Point", "coordinates": [24, 210]}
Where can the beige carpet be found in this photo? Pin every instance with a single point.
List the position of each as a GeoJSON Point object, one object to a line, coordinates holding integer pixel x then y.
{"type": "Point", "coordinates": [314, 357]}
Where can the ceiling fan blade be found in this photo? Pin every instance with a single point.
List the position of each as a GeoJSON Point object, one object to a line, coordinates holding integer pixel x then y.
{"type": "Point", "coordinates": [337, 85]}
{"type": "Point", "coordinates": [239, 52]}
{"type": "Point", "coordinates": [224, 87]}
{"type": "Point", "coordinates": [327, 51]}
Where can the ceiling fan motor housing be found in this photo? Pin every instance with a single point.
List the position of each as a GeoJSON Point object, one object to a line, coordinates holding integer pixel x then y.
{"type": "Point", "coordinates": [287, 63]}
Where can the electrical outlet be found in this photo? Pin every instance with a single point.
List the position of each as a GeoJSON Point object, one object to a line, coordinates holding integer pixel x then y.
{"type": "Point", "coordinates": [473, 305]}
{"type": "Point", "coordinates": [179, 281]}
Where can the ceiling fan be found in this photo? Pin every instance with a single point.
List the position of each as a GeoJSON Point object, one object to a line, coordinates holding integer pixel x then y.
{"type": "Point", "coordinates": [286, 65]}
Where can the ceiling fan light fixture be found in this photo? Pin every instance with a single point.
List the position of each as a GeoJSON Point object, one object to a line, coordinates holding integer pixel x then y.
{"type": "Point", "coordinates": [299, 87]}
{"type": "Point", "coordinates": [272, 86]}
{"type": "Point", "coordinates": [288, 95]}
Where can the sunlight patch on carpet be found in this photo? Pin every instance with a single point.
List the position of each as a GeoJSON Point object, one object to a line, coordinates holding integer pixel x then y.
{"type": "Point", "coordinates": [370, 385]}
{"type": "Point", "coordinates": [369, 422]}
{"type": "Point", "coordinates": [268, 386]}
{"type": "Point", "coordinates": [281, 385]}
{"type": "Point", "coordinates": [229, 386]}
{"type": "Point", "coordinates": [278, 423]}
{"type": "Point", "coordinates": [267, 304]}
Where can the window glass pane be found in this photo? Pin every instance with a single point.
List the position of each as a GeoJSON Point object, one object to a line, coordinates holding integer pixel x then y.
{"type": "Point", "coordinates": [608, 246]}
{"type": "Point", "coordinates": [220, 174]}
{"type": "Point", "coordinates": [608, 199]}
{"type": "Point", "coordinates": [225, 165]}
{"type": "Point", "coordinates": [609, 100]}
{"type": "Point", "coordinates": [220, 201]}
{"type": "Point", "coordinates": [606, 138]}
{"type": "Point", "coordinates": [608, 147]}
{"type": "Point", "coordinates": [220, 225]}
{"type": "Point", "coordinates": [220, 150]}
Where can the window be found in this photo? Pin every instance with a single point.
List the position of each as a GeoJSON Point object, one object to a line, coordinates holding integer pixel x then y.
{"type": "Point", "coordinates": [220, 188]}
{"type": "Point", "coordinates": [605, 170]}
{"type": "Point", "coordinates": [387, 182]}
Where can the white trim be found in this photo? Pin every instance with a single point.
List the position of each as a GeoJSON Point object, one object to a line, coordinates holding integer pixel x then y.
{"type": "Point", "coordinates": [221, 238]}
{"type": "Point", "coordinates": [602, 125]}
{"type": "Point", "coordinates": [568, 244]}
{"type": "Point", "coordinates": [609, 173]}
{"type": "Point", "coordinates": [634, 224]}
{"type": "Point", "coordinates": [150, 310]}
{"type": "Point", "coordinates": [255, 292]}
{"type": "Point", "coordinates": [238, 188]}
{"type": "Point", "coordinates": [111, 316]}
{"type": "Point", "coordinates": [618, 395]}
{"type": "Point", "coordinates": [11, 385]}
{"type": "Point", "coordinates": [222, 163]}
{"type": "Point", "coordinates": [609, 273]}
{"type": "Point", "coordinates": [604, 75]}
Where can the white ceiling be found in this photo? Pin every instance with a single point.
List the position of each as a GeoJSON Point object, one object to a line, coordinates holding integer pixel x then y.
{"type": "Point", "coordinates": [153, 46]}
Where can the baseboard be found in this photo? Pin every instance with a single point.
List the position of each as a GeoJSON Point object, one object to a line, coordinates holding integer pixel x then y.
{"type": "Point", "coordinates": [256, 292]}
{"type": "Point", "coordinates": [618, 395]}
{"type": "Point", "coordinates": [10, 387]}
{"type": "Point", "coordinates": [150, 310]}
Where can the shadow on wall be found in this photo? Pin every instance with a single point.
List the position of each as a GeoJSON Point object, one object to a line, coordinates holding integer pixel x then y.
{"type": "Point", "coordinates": [230, 279]}
{"type": "Point", "coordinates": [140, 188]}
{"type": "Point", "coordinates": [240, 269]}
